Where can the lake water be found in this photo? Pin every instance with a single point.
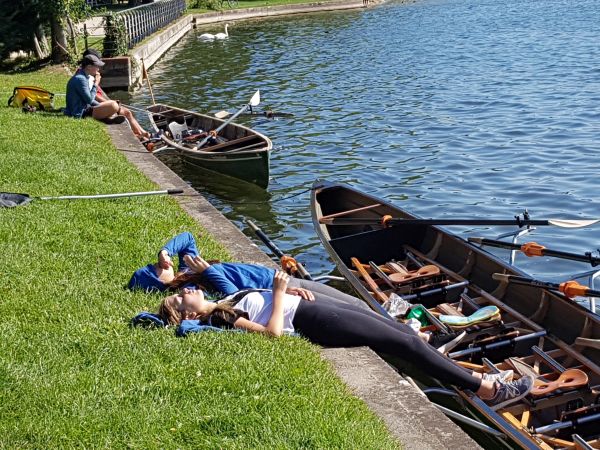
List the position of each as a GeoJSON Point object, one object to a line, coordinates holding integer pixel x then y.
{"type": "Point", "coordinates": [470, 108]}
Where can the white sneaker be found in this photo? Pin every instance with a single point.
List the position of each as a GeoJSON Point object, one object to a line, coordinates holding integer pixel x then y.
{"type": "Point", "coordinates": [504, 375]}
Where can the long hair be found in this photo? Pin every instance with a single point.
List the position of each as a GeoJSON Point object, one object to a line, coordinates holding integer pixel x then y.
{"type": "Point", "coordinates": [183, 278]}
{"type": "Point", "coordinates": [174, 317]}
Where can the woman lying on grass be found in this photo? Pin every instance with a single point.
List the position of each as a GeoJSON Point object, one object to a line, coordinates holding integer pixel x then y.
{"type": "Point", "coordinates": [225, 279]}
{"type": "Point", "coordinates": [221, 279]}
{"type": "Point", "coordinates": [333, 325]}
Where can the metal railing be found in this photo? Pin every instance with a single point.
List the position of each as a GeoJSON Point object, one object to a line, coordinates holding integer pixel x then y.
{"type": "Point", "coordinates": [142, 21]}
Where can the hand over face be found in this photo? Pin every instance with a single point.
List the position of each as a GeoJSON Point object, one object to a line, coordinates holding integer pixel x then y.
{"type": "Point", "coordinates": [164, 260]}
{"type": "Point", "coordinates": [280, 281]}
{"type": "Point", "coordinates": [197, 263]}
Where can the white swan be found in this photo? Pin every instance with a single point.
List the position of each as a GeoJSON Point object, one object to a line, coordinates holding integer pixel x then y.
{"type": "Point", "coordinates": [222, 35]}
{"type": "Point", "coordinates": [207, 36]}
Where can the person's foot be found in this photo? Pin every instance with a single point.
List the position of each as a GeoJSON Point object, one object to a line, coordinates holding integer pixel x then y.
{"type": "Point", "coordinates": [508, 392]}
{"type": "Point", "coordinates": [504, 375]}
{"type": "Point", "coordinates": [446, 342]}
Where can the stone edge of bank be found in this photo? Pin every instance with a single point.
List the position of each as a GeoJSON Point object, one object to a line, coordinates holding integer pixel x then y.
{"type": "Point", "coordinates": [414, 421]}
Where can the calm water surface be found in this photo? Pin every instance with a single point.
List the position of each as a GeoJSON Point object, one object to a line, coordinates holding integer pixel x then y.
{"type": "Point", "coordinates": [470, 108]}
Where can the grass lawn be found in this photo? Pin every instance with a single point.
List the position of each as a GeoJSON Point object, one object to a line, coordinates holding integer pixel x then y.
{"type": "Point", "coordinates": [74, 374]}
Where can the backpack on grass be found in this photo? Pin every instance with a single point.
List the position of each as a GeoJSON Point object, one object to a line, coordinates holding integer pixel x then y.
{"type": "Point", "coordinates": [32, 96]}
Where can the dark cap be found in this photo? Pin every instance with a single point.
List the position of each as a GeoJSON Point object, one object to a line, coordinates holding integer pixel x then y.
{"type": "Point", "coordinates": [91, 51]}
{"type": "Point", "coordinates": [91, 60]}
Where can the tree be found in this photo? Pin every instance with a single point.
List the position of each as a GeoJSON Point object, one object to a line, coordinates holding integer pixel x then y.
{"type": "Point", "coordinates": [28, 21]}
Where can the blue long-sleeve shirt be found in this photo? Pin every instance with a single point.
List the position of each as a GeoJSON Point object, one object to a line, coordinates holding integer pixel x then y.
{"type": "Point", "coordinates": [79, 95]}
{"type": "Point", "coordinates": [224, 278]}
{"type": "Point", "coordinates": [227, 278]}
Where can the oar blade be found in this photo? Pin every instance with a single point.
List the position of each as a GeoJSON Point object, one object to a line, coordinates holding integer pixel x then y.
{"type": "Point", "coordinates": [222, 114]}
{"type": "Point", "coordinates": [566, 223]}
{"type": "Point", "coordinates": [255, 100]}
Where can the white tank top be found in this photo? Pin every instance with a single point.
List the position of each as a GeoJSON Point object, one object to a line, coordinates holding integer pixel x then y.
{"type": "Point", "coordinates": [259, 306]}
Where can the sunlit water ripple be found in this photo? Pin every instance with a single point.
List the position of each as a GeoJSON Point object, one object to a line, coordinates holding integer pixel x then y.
{"type": "Point", "coordinates": [448, 108]}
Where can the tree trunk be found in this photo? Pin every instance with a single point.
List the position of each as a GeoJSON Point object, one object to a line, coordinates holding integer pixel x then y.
{"type": "Point", "coordinates": [73, 35]}
{"type": "Point", "coordinates": [60, 47]}
{"type": "Point", "coordinates": [40, 43]}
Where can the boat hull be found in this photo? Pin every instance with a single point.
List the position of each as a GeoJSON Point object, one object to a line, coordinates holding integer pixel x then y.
{"type": "Point", "coordinates": [241, 153]}
{"type": "Point", "coordinates": [548, 325]}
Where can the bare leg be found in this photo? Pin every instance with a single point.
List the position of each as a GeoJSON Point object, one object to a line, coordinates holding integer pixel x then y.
{"type": "Point", "coordinates": [135, 126]}
{"type": "Point", "coordinates": [104, 110]}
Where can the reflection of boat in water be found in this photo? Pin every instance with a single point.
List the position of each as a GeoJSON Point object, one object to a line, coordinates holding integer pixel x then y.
{"type": "Point", "coordinates": [237, 151]}
{"type": "Point", "coordinates": [452, 286]}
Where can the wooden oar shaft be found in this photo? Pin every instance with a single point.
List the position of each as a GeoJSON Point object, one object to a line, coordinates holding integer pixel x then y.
{"type": "Point", "coordinates": [569, 288]}
{"type": "Point", "coordinates": [269, 243]}
{"type": "Point", "coordinates": [534, 249]}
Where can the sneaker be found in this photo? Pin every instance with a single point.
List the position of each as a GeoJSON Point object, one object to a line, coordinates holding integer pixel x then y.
{"type": "Point", "coordinates": [504, 375]}
{"type": "Point", "coordinates": [446, 342]}
{"type": "Point", "coordinates": [510, 392]}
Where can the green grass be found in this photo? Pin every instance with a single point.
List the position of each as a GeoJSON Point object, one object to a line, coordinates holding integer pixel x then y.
{"type": "Point", "coordinates": [253, 4]}
{"type": "Point", "coordinates": [72, 372]}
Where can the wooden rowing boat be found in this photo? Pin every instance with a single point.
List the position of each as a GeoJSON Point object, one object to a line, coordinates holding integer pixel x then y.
{"type": "Point", "coordinates": [236, 151]}
{"type": "Point", "coordinates": [536, 330]}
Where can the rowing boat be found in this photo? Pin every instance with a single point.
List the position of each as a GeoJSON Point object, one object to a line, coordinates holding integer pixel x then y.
{"type": "Point", "coordinates": [449, 280]}
{"type": "Point", "coordinates": [236, 151]}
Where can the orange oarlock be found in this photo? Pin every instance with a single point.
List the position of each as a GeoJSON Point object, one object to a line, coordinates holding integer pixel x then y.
{"type": "Point", "coordinates": [289, 264]}
{"type": "Point", "coordinates": [532, 249]}
{"type": "Point", "coordinates": [385, 220]}
{"type": "Point", "coordinates": [573, 289]}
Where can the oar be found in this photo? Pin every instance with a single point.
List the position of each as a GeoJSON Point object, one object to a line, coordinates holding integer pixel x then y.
{"type": "Point", "coordinates": [254, 101]}
{"type": "Point", "coordinates": [269, 114]}
{"type": "Point", "coordinates": [388, 220]}
{"type": "Point", "coordinates": [8, 199]}
{"type": "Point", "coordinates": [286, 260]}
{"type": "Point", "coordinates": [569, 288]}
{"type": "Point", "coordinates": [534, 249]}
{"type": "Point", "coordinates": [145, 75]}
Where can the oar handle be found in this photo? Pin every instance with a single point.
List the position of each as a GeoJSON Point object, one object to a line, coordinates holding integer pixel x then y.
{"type": "Point", "coordinates": [534, 249]}
{"type": "Point", "coordinates": [569, 288]}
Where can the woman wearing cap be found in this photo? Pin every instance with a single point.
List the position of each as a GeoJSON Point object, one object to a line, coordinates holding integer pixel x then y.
{"type": "Point", "coordinates": [82, 102]}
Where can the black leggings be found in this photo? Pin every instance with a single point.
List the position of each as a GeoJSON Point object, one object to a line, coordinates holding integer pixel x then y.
{"type": "Point", "coordinates": [332, 325]}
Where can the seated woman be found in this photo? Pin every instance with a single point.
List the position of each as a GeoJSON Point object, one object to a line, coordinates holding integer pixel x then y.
{"type": "Point", "coordinates": [83, 99]}
{"type": "Point", "coordinates": [331, 325]}
{"type": "Point", "coordinates": [222, 278]}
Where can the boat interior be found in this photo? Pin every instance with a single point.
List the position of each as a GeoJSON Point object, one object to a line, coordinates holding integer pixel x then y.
{"type": "Point", "coordinates": [185, 130]}
{"type": "Point", "coordinates": [423, 273]}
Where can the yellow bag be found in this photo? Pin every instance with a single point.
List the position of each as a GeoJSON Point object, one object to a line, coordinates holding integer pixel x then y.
{"type": "Point", "coordinates": [32, 96]}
